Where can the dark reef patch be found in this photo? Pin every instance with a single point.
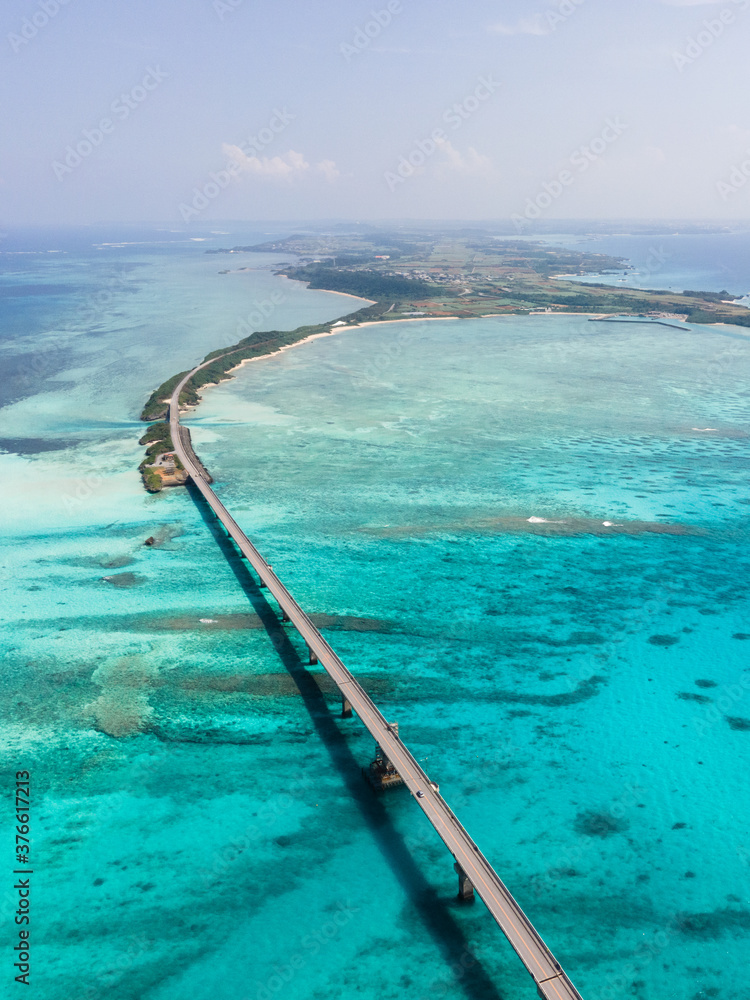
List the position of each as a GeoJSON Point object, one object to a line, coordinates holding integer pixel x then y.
{"type": "Point", "coordinates": [663, 640]}
{"type": "Point", "coordinates": [709, 926]}
{"type": "Point", "coordinates": [706, 684]}
{"type": "Point", "coordinates": [213, 621]}
{"type": "Point", "coordinates": [739, 724]}
{"type": "Point", "coordinates": [125, 580]}
{"type": "Point", "coordinates": [585, 690]}
{"type": "Point", "coordinates": [599, 824]}
{"type": "Point", "coordinates": [702, 699]}
{"type": "Point", "coordinates": [35, 446]}
{"type": "Point", "coordinates": [741, 635]}
{"type": "Point", "coordinates": [584, 639]}
{"type": "Point", "coordinates": [116, 562]}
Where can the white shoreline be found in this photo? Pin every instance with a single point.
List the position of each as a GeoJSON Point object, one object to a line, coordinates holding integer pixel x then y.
{"type": "Point", "coordinates": [316, 336]}
{"type": "Point", "coordinates": [347, 295]}
{"type": "Point", "coordinates": [411, 319]}
{"type": "Point", "coordinates": [330, 333]}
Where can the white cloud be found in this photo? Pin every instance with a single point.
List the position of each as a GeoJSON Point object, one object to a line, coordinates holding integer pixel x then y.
{"type": "Point", "coordinates": [470, 163]}
{"type": "Point", "coordinates": [329, 170]}
{"type": "Point", "coordinates": [690, 3]}
{"type": "Point", "coordinates": [286, 167]}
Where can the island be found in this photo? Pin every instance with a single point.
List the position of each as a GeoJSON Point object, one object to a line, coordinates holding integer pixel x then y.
{"type": "Point", "coordinates": [411, 274]}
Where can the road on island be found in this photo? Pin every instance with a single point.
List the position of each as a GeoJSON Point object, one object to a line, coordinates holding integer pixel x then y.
{"type": "Point", "coordinates": [552, 982]}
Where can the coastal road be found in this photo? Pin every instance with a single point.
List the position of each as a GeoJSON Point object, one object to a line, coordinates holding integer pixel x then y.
{"type": "Point", "coordinates": [552, 982]}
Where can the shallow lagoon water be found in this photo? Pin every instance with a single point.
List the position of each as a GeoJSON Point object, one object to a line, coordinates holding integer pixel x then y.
{"type": "Point", "coordinates": [576, 689]}
{"type": "Point", "coordinates": [552, 668]}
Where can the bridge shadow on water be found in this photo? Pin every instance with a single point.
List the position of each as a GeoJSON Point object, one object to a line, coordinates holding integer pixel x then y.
{"type": "Point", "coordinates": [433, 908]}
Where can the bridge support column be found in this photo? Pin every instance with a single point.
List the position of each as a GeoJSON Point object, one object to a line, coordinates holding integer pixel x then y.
{"type": "Point", "coordinates": [346, 708]}
{"type": "Point", "coordinates": [312, 658]}
{"type": "Point", "coordinates": [284, 616]}
{"type": "Point", "coordinates": [465, 887]}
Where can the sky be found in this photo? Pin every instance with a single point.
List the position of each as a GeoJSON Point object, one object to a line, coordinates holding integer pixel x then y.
{"type": "Point", "coordinates": [188, 111]}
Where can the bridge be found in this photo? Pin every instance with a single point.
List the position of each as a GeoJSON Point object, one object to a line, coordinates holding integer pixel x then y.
{"type": "Point", "coordinates": [474, 870]}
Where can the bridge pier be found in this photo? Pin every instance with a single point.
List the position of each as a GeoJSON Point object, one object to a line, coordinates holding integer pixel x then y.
{"type": "Point", "coordinates": [312, 658]}
{"type": "Point", "coordinates": [382, 773]}
{"type": "Point", "coordinates": [284, 616]}
{"type": "Point", "coordinates": [465, 886]}
{"type": "Point", "coordinates": [346, 708]}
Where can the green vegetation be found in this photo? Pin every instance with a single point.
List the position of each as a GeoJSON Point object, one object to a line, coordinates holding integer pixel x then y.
{"type": "Point", "coordinates": [463, 273]}
{"type": "Point", "coordinates": [256, 345]}
{"type": "Point", "coordinates": [151, 481]}
{"type": "Point", "coordinates": [159, 440]}
{"type": "Point", "coordinates": [158, 432]}
{"type": "Point", "coordinates": [366, 284]}
{"type": "Point", "coordinates": [724, 296]}
{"type": "Point", "coordinates": [157, 406]}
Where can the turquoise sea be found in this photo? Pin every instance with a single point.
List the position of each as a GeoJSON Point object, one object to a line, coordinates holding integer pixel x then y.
{"type": "Point", "coordinates": [701, 262]}
{"type": "Point", "coordinates": [435, 494]}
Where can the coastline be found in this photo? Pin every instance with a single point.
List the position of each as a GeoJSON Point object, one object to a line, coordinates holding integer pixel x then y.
{"type": "Point", "coordinates": [329, 291]}
{"type": "Point", "coordinates": [275, 342]}
{"type": "Point", "coordinates": [347, 295]}
{"type": "Point", "coordinates": [317, 336]}
{"type": "Point", "coordinates": [380, 322]}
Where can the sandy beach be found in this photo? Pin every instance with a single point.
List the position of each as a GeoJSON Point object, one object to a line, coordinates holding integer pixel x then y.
{"type": "Point", "coordinates": [381, 322]}
{"type": "Point", "coordinates": [332, 333]}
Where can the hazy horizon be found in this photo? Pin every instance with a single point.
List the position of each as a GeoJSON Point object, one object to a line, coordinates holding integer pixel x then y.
{"type": "Point", "coordinates": [230, 110]}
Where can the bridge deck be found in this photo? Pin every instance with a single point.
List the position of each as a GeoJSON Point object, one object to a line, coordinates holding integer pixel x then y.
{"type": "Point", "coordinates": [552, 982]}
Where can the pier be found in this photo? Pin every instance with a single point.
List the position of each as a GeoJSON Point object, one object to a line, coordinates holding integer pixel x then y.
{"type": "Point", "coordinates": [652, 321]}
{"type": "Point", "coordinates": [394, 763]}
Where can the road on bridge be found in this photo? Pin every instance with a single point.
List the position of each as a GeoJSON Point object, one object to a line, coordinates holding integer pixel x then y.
{"type": "Point", "coordinates": [552, 982]}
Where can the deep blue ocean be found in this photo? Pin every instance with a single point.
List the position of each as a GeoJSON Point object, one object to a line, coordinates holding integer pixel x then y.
{"type": "Point", "coordinates": [710, 263]}
{"type": "Point", "coordinates": [526, 536]}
